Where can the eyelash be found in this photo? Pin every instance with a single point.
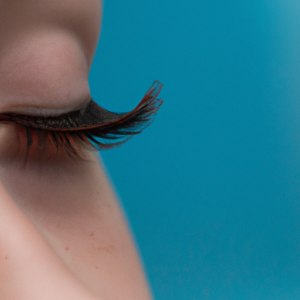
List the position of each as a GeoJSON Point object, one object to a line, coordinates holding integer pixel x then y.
{"type": "Point", "coordinates": [84, 127]}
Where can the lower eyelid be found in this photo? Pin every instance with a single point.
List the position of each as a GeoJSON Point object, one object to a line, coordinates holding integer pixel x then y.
{"type": "Point", "coordinates": [10, 142]}
{"type": "Point", "coordinates": [51, 143]}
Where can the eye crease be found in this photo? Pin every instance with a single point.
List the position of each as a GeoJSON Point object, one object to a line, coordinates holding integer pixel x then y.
{"type": "Point", "coordinates": [91, 126]}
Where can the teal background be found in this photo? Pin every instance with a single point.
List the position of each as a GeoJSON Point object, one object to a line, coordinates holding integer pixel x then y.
{"type": "Point", "coordinates": [211, 189]}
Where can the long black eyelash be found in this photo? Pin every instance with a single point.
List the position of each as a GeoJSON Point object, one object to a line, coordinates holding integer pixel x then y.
{"type": "Point", "coordinates": [92, 126]}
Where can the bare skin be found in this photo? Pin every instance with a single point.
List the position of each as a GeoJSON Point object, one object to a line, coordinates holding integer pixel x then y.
{"type": "Point", "coordinates": [46, 50]}
{"type": "Point", "coordinates": [62, 232]}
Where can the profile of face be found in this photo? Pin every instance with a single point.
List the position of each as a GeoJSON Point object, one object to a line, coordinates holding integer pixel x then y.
{"type": "Point", "coordinates": [62, 232]}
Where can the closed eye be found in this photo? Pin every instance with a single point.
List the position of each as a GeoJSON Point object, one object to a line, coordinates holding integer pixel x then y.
{"type": "Point", "coordinates": [92, 126]}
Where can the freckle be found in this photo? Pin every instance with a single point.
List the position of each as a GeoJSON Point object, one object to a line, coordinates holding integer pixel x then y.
{"type": "Point", "coordinates": [96, 268]}
{"type": "Point", "coordinates": [92, 234]}
{"type": "Point", "coordinates": [67, 248]}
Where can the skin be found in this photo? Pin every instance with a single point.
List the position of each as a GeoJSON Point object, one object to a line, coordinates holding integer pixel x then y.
{"type": "Point", "coordinates": [62, 231]}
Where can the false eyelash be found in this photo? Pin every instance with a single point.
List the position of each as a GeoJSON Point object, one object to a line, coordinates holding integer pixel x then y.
{"type": "Point", "coordinates": [92, 126]}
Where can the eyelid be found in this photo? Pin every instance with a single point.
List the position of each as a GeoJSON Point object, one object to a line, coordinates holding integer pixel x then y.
{"type": "Point", "coordinates": [44, 112]}
{"type": "Point", "coordinates": [39, 112]}
{"type": "Point", "coordinates": [92, 116]}
{"type": "Point", "coordinates": [92, 123]}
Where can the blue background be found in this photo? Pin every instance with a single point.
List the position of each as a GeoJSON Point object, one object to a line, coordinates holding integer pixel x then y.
{"type": "Point", "coordinates": [211, 189]}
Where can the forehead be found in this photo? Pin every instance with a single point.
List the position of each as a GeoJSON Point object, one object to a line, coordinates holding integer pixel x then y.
{"type": "Point", "coordinates": [46, 49]}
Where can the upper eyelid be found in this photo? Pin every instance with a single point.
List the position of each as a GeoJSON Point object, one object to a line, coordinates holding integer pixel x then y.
{"type": "Point", "coordinates": [92, 126]}
{"type": "Point", "coordinates": [93, 122]}
{"type": "Point", "coordinates": [93, 116]}
{"type": "Point", "coordinates": [40, 112]}
{"type": "Point", "coordinates": [40, 122]}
